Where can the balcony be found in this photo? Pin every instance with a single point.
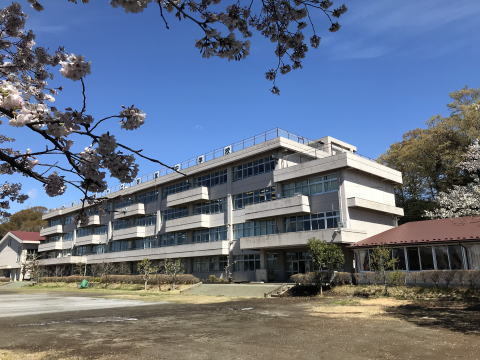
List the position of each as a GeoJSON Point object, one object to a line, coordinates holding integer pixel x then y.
{"type": "Point", "coordinates": [177, 251]}
{"type": "Point", "coordinates": [190, 222]}
{"type": "Point", "coordinates": [51, 230]}
{"type": "Point", "coordinates": [92, 220]}
{"type": "Point", "coordinates": [54, 245]}
{"type": "Point", "coordinates": [188, 196]}
{"type": "Point", "coordinates": [130, 210]}
{"type": "Point", "coordinates": [355, 202]}
{"type": "Point", "coordinates": [63, 260]}
{"type": "Point", "coordinates": [285, 206]}
{"type": "Point", "coordinates": [300, 238]}
{"type": "Point", "coordinates": [91, 239]}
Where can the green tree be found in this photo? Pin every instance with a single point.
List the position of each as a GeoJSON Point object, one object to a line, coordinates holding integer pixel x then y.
{"type": "Point", "coordinates": [146, 269]}
{"type": "Point", "coordinates": [26, 220]}
{"type": "Point", "coordinates": [172, 267]}
{"type": "Point", "coordinates": [428, 157]}
{"type": "Point", "coordinates": [381, 261]}
{"type": "Point", "coordinates": [328, 257]}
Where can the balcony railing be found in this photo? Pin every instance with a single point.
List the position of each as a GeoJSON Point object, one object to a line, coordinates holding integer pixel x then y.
{"type": "Point", "coordinates": [51, 230]}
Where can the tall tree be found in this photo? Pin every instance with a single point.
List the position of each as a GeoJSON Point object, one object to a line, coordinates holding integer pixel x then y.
{"type": "Point", "coordinates": [26, 220]}
{"type": "Point", "coordinates": [462, 200]}
{"type": "Point", "coordinates": [428, 157]}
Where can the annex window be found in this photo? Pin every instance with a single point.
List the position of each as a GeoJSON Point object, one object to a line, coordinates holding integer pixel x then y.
{"type": "Point", "coordinates": [413, 259]}
{"type": "Point", "coordinates": [426, 257]}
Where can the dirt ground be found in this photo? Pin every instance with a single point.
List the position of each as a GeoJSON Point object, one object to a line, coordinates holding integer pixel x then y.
{"type": "Point", "coordinates": [279, 328]}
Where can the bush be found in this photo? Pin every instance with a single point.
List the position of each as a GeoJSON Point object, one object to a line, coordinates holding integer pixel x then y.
{"type": "Point", "coordinates": [124, 279]}
{"type": "Point", "coordinates": [366, 278]}
{"type": "Point", "coordinates": [342, 278]}
{"type": "Point", "coordinates": [4, 279]}
{"type": "Point", "coordinates": [396, 278]}
{"type": "Point", "coordinates": [213, 279]}
{"type": "Point", "coordinates": [305, 279]}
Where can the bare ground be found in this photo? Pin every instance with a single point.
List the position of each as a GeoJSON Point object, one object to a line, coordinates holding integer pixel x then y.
{"type": "Point", "coordinates": [285, 328]}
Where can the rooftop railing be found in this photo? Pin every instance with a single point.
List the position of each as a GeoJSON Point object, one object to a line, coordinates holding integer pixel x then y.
{"type": "Point", "coordinates": [202, 158]}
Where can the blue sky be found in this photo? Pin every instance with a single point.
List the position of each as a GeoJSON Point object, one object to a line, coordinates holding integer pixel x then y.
{"type": "Point", "coordinates": [388, 69]}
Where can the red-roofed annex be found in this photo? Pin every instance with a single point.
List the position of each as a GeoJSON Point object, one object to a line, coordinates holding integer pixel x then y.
{"type": "Point", "coordinates": [441, 244]}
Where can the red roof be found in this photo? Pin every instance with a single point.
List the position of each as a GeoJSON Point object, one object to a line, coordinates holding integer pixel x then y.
{"type": "Point", "coordinates": [441, 230]}
{"type": "Point", "coordinates": [28, 235]}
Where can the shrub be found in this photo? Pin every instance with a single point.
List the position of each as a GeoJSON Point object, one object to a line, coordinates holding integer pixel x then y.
{"type": "Point", "coordinates": [213, 279]}
{"type": "Point", "coordinates": [366, 278]}
{"type": "Point", "coordinates": [4, 279]}
{"type": "Point", "coordinates": [396, 278]}
{"type": "Point", "coordinates": [124, 279]}
{"type": "Point", "coordinates": [342, 278]}
{"type": "Point", "coordinates": [305, 279]}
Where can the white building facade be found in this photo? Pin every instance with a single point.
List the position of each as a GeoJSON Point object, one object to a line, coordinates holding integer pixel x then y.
{"type": "Point", "coordinates": [249, 207]}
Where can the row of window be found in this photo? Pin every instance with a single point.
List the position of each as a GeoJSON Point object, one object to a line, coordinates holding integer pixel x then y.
{"type": "Point", "coordinates": [92, 230]}
{"type": "Point", "coordinates": [210, 207]}
{"type": "Point", "coordinates": [254, 228]}
{"type": "Point", "coordinates": [254, 197]}
{"type": "Point", "coordinates": [147, 220]}
{"type": "Point", "coordinates": [208, 180]}
{"type": "Point", "coordinates": [209, 264]}
{"type": "Point", "coordinates": [445, 257]}
{"type": "Point", "coordinates": [252, 168]}
{"type": "Point", "coordinates": [324, 220]}
{"type": "Point", "coordinates": [174, 213]}
{"type": "Point", "coordinates": [212, 234]}
{"type": "Point", "coordinates": [249, 262]}
{"type": "Point", "coordinates": [311, 186]}
{"type": "Point", "coordinates": [143, 198]}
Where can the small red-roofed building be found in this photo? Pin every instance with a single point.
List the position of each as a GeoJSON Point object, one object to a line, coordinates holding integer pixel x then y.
{"type": "Point", "coordinates": [441, 244]}
{"type": "Point", "coordinates": [15, 249]}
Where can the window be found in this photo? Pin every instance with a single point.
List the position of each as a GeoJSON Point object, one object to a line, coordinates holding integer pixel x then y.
{"type": "Point", "coordinates": [252, 168]}
{"type": "Point", "coordinates": [317, 221]}
{"type": "Point", "coordinates": [209, 235]}
{"type": "Point", "coordinates": [312, 186]}
{"type": "Point", "coordinates": [209, 264]}
{"type": "Point", "coordinates": [208, 180]}
{"type": "Point", "coordinates": [363, 260]}
{"type": "Point", "coordinates": [254, 228]}
{"type": "Point", "coordinates": [253, 197]}
{"type": "Point", "coordinates": [426, 257]}
{"type": "Point", "coordinates": [210, 207]}
{"type": "Point", "coordinates": [456, 257]}
{"type": "Point", "coordinates": [54, 222]}
{"type": "Point", "coordinates": [397, 253]}
{"type": "Point", "coordinates": [147, 220]}
{"type": "Point", "coordinates": [250, 262]}
{"type": "Point", "coordinates": [69, 220]}
{"type": "Point", "coordinates": [68, 236]}
{"type": "Point", "coordinates": [174, 213]}
{"type": "Point", "coordinates": [441, 255]}
{"type": "Point", "coordinates": [143, 198]}
{"type": "Point", "coordinates": [53, 238]}
{"type": "Point", "coordinates": [299, 262]}
{"type": "Point", "coordinates": [172, 238]}
{"type": "Point", "coordinates": [87, 231]}
{"type": "Point", "coordinates": [413, 259]}
{"type": "Point", "coordinates": [473, 256]}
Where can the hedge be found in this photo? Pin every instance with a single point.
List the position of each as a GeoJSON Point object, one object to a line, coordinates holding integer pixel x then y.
{"type": "Point", "coordinates": [124, 279]}
{"type": "Point", "coordinates": [339, 278]}
{"type": "Point", "coordinates": [4, 279]}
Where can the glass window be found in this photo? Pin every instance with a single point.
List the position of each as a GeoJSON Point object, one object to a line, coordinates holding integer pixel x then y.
{"type": "Point", "coordinates": [312, 222]}
{"type": "Point", "coordinates": [174, 213]}
{"type": "Point", "coordinates": [250, 262]}
{"type": "Point", "coordinates": [209, 235]}
{"type": "Point", "coordinates": [456, 257]}
{"type": "Point", "coordinates": [210, 207]}
{"type": "Point", "coordinates": [441, 255]}
{"type": "Point", "coordinates": [312, 186]}
{"type": "Point", "coordinates": [426, 257]}
{"type": "Point", "coordinates": [252, 168]}
{"type": "Point", "coordinates": [473, 256]}
{"type": "Point", "coordinates": [398, 253]}
{"type": "Point", "coordinates": [413, 260]}
{"type": "Point", "coordinates": [363, 260]}
{"type": "Point", "coordinates": [254, 197]}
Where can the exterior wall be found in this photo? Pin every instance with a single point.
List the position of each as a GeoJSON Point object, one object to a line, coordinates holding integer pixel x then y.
{"type": "Point", "coordinates": [10, 254]}
{"type": "Point", "coordinates": [358, 177]}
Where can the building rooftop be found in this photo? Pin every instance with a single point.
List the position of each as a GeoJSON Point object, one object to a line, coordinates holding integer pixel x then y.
{"type": "Point", "coordinates": [27, 235]}
{"type": "Point", "coordinates": [428, 231]}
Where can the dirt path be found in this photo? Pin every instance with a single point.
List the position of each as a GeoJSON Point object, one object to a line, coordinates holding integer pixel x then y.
{"type": "Point", "coordinates": [331, 328]}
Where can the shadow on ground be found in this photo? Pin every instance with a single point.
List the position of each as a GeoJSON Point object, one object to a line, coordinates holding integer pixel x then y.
{"type": "Point", "coordinates": [464, 318]}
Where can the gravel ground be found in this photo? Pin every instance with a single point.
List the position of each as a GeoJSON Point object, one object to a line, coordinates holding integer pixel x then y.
{"type": "Point", "coordinates": [280, 328]}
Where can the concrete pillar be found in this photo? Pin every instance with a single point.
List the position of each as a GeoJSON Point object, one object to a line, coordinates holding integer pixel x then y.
{"type": "Point", "coordinates": [263, 259]}
{"type": "Point", "coordinates": [342, 201]}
